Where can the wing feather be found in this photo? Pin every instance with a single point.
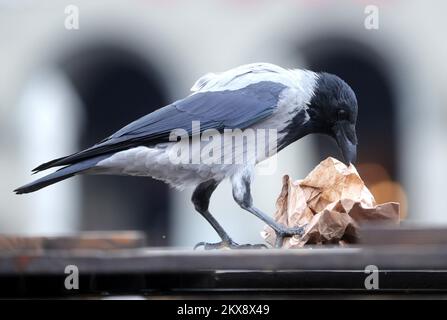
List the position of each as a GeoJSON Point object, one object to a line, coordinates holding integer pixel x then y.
{"type": "Point", "coordinates": [215, 109]}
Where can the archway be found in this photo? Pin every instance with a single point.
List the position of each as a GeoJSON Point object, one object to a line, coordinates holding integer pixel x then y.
{"type": "Point", "coordinates": [116, 86]}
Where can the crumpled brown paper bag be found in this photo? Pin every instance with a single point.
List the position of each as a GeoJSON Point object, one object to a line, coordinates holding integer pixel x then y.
{"type": "Point", "coordinates": [331, 202]}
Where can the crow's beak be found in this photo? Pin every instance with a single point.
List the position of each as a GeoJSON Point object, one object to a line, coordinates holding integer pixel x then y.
{"type": "Point", "coordinates": [347, 140]}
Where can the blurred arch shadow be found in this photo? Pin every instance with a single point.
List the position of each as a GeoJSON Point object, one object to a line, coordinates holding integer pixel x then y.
{"type": "Point", "coordinates": [117, 86]}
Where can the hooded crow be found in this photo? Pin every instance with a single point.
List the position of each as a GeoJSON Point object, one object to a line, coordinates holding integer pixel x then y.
{"type": "Point", "coordinates": [260, 96]}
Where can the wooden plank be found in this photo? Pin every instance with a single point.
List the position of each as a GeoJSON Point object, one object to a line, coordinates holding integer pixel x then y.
{"type": "Point", "coordinates": [408, 260]}
{"type": "Point", "coordinates": [403, 235]}
{"type": "Point", "coordinates": [85, 240]}
{"type": "Point", "coordinates": [181, 261]}
{"type": "Point", "coordinates": [122, 252]}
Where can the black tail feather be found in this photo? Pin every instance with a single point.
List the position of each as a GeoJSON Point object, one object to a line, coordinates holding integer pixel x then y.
{"type": "Point", "coordinates": [59, 175]}
{"type": "Point", "coordinates": [46, 165]}
{"type": "Point", "coordinates": [43, 182]}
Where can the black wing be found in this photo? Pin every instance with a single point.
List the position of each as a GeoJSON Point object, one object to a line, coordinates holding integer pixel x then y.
{"type": "Point", "coordinates": [214, 109]}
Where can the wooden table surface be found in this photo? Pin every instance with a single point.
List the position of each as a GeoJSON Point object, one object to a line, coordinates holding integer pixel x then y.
{"type": "Point", "coordinates": [406, 264]}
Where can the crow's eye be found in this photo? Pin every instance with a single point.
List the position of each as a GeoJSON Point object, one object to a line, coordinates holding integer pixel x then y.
{"type": "Point", "coordinates": [342, 115]}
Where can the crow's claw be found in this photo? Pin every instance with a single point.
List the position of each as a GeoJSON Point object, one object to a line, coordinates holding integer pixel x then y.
{"type": "Point", "coordinates": [296, 231]}
{"type": "Point", "coordinates": [287, 232]}
{"type": "Point", "coordinates": [228, 244]}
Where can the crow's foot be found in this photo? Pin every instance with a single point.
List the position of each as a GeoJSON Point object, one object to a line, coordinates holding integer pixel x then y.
{"type": "Point", "coordinates": [228, 244]}
{"type": "Point", "coordinates": [282, 232]}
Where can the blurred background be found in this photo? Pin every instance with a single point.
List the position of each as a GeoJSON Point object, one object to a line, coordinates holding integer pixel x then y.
{"type": "Point", "coordinates": [66, 84]}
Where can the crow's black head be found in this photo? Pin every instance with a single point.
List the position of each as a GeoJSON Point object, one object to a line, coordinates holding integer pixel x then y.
{"type": "Point", "coordinates": [333, 111]}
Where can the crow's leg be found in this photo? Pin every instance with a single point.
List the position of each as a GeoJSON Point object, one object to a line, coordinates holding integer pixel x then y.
{"type": "Point", "coordinates": [201, 199]}
{"type": "Point", "coordinates": [242, 195]}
